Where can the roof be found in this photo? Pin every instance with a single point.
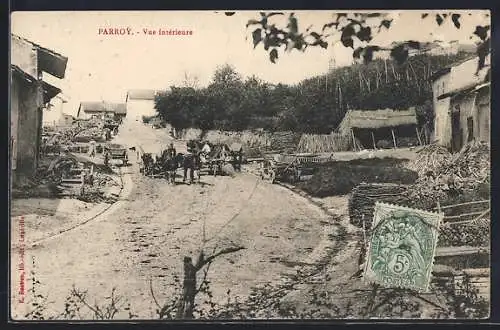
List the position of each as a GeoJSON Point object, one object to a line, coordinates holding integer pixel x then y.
{"type": "Point", "coordinates": [17, 70]}
{"type": "Point", "coordinates": [378, 118]}
{"type": "Point", "coordinates": [141, 94]}
{"type": "Point", "coordinates": [482, 77]}
{"type": "Point", "coordinates": [440, 72]}
{"type": "Point", "coordinates": [465, 90]}
{"type": "Point", "coordinates": [48, 60]}
{"type": "Point", "coordinates": [448, 68]}
{"type": "Point", "coordinates": [119, 108]}
{"type": "Point", "coordinates": [49, 91]}
{"type": "Point", "coordinates": [90, 107]}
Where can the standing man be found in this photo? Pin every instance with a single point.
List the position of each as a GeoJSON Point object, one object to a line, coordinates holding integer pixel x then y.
{"type": "Point", "coordinates": [92, 148]}
{"type": "Point", "coordinates": [206, 148]}
{"type": "Point", "coordinates": [171, 152]}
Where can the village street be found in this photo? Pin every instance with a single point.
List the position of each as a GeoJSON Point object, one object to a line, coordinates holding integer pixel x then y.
{"type": "Point", "coordinates": [146, 234]}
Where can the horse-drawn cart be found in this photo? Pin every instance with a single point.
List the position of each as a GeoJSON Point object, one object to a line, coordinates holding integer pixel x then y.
{"type": "Point", "coordinates": [290, 168]}
{"type": "Point", "coordinates": [115, 152]}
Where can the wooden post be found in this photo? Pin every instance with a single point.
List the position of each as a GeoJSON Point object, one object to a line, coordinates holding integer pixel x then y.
{"type": "Point", "coordinates": [365, 242]}
{"type": "Point", "coordinates": [373, 139]}
{"type": "Point", "coordinates": [394, 139]}
{"type": "Point", "coordinates": [418, 136]}
{"type": "Point", "coordinates": [353, 140]}
{"type": "Point", "coordinates": [82, 185]}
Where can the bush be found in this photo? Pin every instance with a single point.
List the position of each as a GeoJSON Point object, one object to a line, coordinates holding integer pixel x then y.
{"type": "Point", "coordinates": [147, 119]}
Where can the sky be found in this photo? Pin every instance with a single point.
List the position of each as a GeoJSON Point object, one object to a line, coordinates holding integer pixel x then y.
{"type": "Point", "coordinates": [104, 67]}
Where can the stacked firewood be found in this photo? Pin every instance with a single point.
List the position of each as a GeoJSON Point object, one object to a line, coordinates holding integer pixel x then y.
{"type": "Point", "coordinates": [363, 198]}
{"type": "Point", "coordinates": [462, 171]}
{"type": "Point", "coordinates": [473, 233]}
{"type": "Point", "coordinates": [471, 165]}
{"type": "Point", "coordinates": [284, 141]}
{"type": "Point", "coordinates": [466, 222]}
{"type": "Point", "coordinates": [430, 159]}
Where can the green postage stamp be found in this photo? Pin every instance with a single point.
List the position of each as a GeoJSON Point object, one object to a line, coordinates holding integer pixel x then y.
{"type": "Point", "coordinates": [402, 246]}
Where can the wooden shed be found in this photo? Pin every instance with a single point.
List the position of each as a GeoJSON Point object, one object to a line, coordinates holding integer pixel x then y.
{"type": "Point", "coordinates": [369, 127]}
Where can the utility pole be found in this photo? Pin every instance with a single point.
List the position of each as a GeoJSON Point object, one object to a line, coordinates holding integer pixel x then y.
{"type": "Point", "coordinates": [331, 67]}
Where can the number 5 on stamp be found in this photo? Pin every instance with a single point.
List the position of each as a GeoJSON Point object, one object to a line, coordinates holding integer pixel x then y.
{"type": "Point", "coordinates": [402, 246]}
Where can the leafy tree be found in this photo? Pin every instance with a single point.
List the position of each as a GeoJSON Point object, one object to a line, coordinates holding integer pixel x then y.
{"type": "Point", "coordinates": [227, 88]}
{"type": "Point", "coordinates": [350, 29]}
{"type": "Point", "coordinates": [177, 106]}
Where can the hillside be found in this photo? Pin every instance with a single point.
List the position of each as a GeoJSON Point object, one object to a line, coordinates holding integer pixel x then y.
{"type": "Point", "coordinates": [315, 105]}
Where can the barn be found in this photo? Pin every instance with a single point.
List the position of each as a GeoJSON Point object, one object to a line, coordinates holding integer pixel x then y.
{"type": "Point", "coordinates": [102, 109]}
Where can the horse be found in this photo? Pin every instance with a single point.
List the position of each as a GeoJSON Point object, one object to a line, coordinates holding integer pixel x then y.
{"type": "Point", "coordinates": [191, 162]}
{"type": "Point", "coordinates": [170, 166]}
{"type": "Point", "coordinates": [237, 159]}
{"type": "Point", "coordinates": [148, 162]}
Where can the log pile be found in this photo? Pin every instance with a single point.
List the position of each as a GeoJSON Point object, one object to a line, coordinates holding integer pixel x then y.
{"type": "Point", "coordinates": [339, 178]}
{"type": "Point", "coordinates": [251, 139]}
{"type": "Point", "coordinates": [475, 233]}
{"type": "Point", "coordinates": [465, 222]}
{"type": "Point", "coordinates": [429, 161]}
{"type": "Point", "coordinates": [284, 142]}
{"type": "Point", "coordinates": [363, 198]}
{"type": "Point", "coordinates": [462, 171]}
{"type": "Point", "coordinates": [93, 133]}
{"type": "Point", "coordinates": [471, 166]}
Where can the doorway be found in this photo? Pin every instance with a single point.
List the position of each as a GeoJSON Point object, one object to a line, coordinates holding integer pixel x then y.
{"type": "Point", "coordinates": [470, 129]}
{"type": "Point", "coordinates": [456, 132]}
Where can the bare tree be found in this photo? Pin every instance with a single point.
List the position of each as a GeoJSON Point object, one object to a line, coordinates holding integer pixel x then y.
{"type": "Point", "coordinates": [190, 80]}
{"type": "Point", "coordinates": [189, 290]}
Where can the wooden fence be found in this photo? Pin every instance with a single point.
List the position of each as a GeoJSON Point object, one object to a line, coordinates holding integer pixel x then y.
{"type": "Point", "coordinates": [313, 143]}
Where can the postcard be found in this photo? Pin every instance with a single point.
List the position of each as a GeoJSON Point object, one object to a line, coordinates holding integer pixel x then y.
{"type": "Point", "coordinates": [221, 165]}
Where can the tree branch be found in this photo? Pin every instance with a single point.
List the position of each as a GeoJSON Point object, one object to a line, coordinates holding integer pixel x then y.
{"type": "Point", "coordinates": [208, 260]}
{"type": "Point", "coordinates": [152, 293]}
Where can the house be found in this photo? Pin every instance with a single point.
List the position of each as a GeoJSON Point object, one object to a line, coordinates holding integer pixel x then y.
{"type": "Point", "coordinates": [66, 120]}
{"type": "Point", "coordinates": [141, 102]}
{"type": "Point", "coordinates": [29, 95]}
{"type": "Point", "coordinates": [102, 109]}
{"type": "Point", "coordinates": [369, 127]}
{"type": "Point", "coordinates": [54, 113]}
{"type": "Point", "coordinates": [461, 101]}
{"type": "Point", "coordinates": [433, 48]}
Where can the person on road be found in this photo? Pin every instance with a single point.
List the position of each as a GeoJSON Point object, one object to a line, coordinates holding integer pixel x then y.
{"type": "Point", "coordinates": [92, 148]}
{"type": "Point", "coordinates": [171, 152]}
{"type": "Point", "coordinates": [206, 148]}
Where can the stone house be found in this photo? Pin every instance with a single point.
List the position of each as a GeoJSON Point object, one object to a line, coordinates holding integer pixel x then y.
{"type": "Point", "coordinates": [29, 95]}
{"type": "Point", "coordinates": [461, 102]}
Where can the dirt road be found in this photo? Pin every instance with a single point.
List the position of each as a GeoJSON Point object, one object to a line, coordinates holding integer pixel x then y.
{"type": "Point", "coordinates": [154, 225]}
